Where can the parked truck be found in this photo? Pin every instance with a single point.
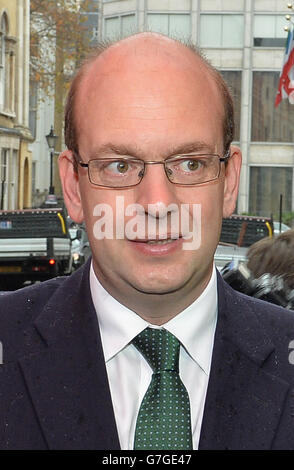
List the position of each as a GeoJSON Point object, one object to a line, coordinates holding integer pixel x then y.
{"type": "Point", "coordinates": [35, 245]}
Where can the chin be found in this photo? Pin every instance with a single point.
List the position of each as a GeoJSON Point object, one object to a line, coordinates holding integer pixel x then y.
{"type": "Point", "coordinates": [159, 285]}
{"type": "Point", "coordinates": [156, 290]}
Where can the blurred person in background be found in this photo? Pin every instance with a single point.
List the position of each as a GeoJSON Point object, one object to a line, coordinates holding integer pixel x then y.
{"type": "Point", "coordinates": [269, 272]}
{"type": "Point", "coordinates": [274, 256]}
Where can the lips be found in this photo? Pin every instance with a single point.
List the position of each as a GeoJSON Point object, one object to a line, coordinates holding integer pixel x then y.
{"type": "Point", "coordinates": [158, 238]}
{"type": "Point", "coordinates": [152, 241]}
{"type": "Point", "coordinates": [157, 247]}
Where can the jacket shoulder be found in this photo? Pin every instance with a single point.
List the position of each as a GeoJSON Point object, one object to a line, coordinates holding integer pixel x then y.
{"type": "Point", "coordinates": [18, 311]}
{"type": "Point", "coordinates": [272, 315]}
{"type": "Point", "coordinates": [274, 322]}
{"type": "Point", "coordinates": [24, 303]}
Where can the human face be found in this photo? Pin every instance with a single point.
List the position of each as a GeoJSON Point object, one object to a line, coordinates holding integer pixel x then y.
{"type": "Point", "coordinates": [150, 99]}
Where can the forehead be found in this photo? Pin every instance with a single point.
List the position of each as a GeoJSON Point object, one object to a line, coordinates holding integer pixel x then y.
{"type": "Point", "coordinates": [156, 86]}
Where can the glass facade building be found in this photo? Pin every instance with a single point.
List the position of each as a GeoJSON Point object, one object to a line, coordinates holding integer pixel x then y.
{"type": "Point", "coordinates": [245, 40]}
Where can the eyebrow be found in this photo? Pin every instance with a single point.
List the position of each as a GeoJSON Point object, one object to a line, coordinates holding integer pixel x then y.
{"type": "Point", "coordinates": [133, 150]}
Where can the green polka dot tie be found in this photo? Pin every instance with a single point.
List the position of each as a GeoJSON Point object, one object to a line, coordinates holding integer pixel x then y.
{"type": "Point", "coordinates": [163, 421]}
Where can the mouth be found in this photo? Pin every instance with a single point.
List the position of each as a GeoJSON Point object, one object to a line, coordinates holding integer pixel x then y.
{"type": "Point", "coordinates": [156, 241]}
{"type": "Point", "coordinates": [157, 246]}
{"type": "Point", "coordinates": [160, 242]}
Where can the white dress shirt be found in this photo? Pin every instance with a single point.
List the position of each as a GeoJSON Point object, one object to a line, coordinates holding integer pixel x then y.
{"type": "Point", "coordinates": [129, 374]}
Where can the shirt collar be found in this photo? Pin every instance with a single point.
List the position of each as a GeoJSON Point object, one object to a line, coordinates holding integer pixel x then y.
{"type": "Point", "coordinates": [118, 324]}
{"type": "Point", "coordinates": [194, 327]}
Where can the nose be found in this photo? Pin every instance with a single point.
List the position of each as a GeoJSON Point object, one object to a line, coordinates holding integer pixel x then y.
{"type": "Point", "coordinates": [155, 190]}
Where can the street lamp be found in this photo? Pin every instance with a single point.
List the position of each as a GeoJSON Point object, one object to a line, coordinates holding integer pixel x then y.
{"type": "Point", "coordinates": [51, 141]}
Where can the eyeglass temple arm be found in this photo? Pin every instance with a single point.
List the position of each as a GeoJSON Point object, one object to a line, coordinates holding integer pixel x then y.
{"type": "Point", "coordinates": [226, 156]}
{"type": "Point", "coordinates": [84, 165]}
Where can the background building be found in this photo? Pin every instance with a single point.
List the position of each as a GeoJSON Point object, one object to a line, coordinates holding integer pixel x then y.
{"type": "Point", "coordinates": [245, 39]}
{"type": "Point", "coordinates": [15, 158]}
{"type": "Point", "coordinates": [92, 21]}
{"type": "Point", "coordinates": [47, 104]}
{"type": "Point", "coordinates": [41, 120]}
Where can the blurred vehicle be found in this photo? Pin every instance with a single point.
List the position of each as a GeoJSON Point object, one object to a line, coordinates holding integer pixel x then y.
{"type": "Point", "coordinates": [284, 227]}
{"type": "Point", "coordinates": [80, 247]}
{"type": "Point", "coordinates": [35, 245]}
{"type": "Point", "coordinates": [227, 252]}
{"type": "Point", "coordinates": [244, 230]}
{"type": "Point", "coordinates": [238, 233]}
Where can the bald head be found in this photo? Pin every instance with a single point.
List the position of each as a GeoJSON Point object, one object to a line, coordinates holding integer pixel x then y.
{"type": "Point", "coordinates": [142, 52]}
{"type": "Point", "coordinates": [145, 61]}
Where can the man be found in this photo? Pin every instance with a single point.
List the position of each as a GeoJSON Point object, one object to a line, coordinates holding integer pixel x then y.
{"type": "Point", "coordinates": [149, 124]}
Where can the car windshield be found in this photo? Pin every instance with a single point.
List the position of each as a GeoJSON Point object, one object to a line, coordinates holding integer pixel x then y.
{"type": "Point", "coordinates": [284, 227]}
{"type": "Point", "coordinates": [75, 242]}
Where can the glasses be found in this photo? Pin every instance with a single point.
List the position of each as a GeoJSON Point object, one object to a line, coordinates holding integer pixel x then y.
{"type": "Point", "coordinates": [126, 172]}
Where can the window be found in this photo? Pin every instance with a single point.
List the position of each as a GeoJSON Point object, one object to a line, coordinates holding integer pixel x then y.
{"type": "Point", "coordinates": [9, 99]}
{"type": "Point", "coordinates": [90, 24]}
{"type": "Point", "coordinates": [13, 191]}
{"type": "Point", "coordinates": [221, 30]}
{"type": "Point", "coordinates": [174, 25]}
{"type": "Point", "coordinates": [4, 178]}
{"type": "Point", "coordinates": [33, 106]}
{"type": "Point", "coordinates": [233, 80]}
{"type": "Point", "coordinates": [2, 48]}
{"type": "Point", "coordinates": [7, 66]}
{"type": "Point", "coordinates": [270, 124]}
{"type": "Point", "coordinates": [112, 27]}
{"type": "Point", "coordinates": [3, 65]}
{"type": "Point", "coordinates": [94, 33]}
{"type": "Point", "coordinates": [34, 167]}
{"type": "Point", "coordinates": [3, 33]}
{"type": "Point", "coordinates": [127, 24]}
{"type": "Point", "coordinates": [269, 31]}
{"type": "Point", "coordinates": [4, 162]}
{"type": "Point", "coordinates": [119, 26]}
{"type": "Point", "coordinates": [266, 185]}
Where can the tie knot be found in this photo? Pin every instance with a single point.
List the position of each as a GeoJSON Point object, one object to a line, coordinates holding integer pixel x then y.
{"type": "Point", "coordinates": [160, 348]}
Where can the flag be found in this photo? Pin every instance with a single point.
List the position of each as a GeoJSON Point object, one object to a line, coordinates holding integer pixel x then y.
{"type": "Point", "coordinates": [286, 82]}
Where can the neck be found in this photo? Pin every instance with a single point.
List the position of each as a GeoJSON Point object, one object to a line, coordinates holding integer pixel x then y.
{"type": "Point", "coordinates": [156, 309]}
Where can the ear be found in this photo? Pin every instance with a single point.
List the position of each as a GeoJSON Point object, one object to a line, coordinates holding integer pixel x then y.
{"type": "Point", "coordinates": [232, 176]}
{"type": "Point", "coordinates": [70, 185]}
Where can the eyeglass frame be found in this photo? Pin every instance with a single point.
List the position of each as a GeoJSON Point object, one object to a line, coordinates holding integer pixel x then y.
{"type": "Point", "coordinates": [225, 158]}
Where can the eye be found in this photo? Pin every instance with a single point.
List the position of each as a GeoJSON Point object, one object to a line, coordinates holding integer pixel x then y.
{"type": "Point", "coordinates": [119, 167]}
{"type": "Point", "coordinates": [190, 165]}
{"type": "Point", "coordinates": [193, 165]}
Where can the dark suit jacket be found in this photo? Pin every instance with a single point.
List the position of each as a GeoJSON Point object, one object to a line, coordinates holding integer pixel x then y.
{"type": "Point", "coordinates": [54, 391]}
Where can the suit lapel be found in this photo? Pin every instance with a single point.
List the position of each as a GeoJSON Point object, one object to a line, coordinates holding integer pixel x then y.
{"type": "Point", "coordinates": [67, 380]}
{"type": "Point", "coordinates": [244, 401]}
